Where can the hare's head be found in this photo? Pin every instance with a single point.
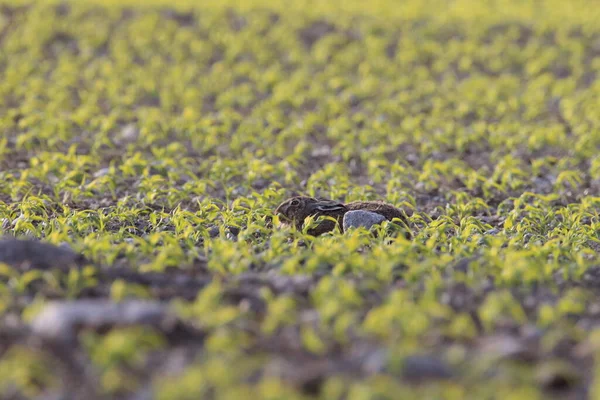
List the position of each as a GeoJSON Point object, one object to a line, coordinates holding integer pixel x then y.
{"type": "Point", "coordinates": [295, 208]}
{"type": "Point", "coordinates": [299, 207]}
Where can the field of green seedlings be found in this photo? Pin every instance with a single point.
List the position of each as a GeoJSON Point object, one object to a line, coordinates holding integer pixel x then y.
{"type": "Point", "coordinates": [156, 139]}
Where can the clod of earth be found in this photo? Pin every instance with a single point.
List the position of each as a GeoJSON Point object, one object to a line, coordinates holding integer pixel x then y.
{"type": "Point", "coordinates": [34, 254]}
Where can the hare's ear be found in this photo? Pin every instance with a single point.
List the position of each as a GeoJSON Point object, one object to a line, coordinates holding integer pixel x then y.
{"type": "Point", "coordinates": [326, 206]}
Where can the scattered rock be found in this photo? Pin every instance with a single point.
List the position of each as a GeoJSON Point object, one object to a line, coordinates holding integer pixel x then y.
{"type": "Point", "coordinates": [360, 218]}
{"type": "Point", "coordinates": [101, 172]}
{"type": "Point", "coordinates": [231, 232]}
{"type": "Point", "coordinates": [33, 254]}
{"type": "Point", "coordinates": [425, 367]}
{"type": "Point", "coordinates": [62, 320]}
{"type": "Point", "coordinates": [128, 134]}
{"type": "Point", "coordinates": [507, 347]}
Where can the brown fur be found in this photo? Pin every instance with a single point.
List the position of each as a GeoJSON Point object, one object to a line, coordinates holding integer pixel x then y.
{"type": "Point", "coordinates": [296, 209]}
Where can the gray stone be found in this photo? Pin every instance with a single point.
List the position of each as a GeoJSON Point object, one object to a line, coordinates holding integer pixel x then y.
{"type": "Point", "coordinates": [62, 320]}
{"type": "Point", "coordinates": [361, 218]}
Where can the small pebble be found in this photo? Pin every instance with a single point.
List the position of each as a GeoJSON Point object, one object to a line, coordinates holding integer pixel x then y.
{"type": "Point", "coordinates": [360, 218]}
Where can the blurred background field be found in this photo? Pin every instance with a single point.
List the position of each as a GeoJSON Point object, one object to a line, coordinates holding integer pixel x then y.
{"type": "Point", "coordinates": [156, 138]}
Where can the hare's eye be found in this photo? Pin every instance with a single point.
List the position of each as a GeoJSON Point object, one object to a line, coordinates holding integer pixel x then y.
{"type": "Point", "coordinates": [295, 202]}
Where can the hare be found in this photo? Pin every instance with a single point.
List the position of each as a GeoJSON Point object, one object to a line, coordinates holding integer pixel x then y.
{"type": "Point", "coordinates": [296, 209]}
